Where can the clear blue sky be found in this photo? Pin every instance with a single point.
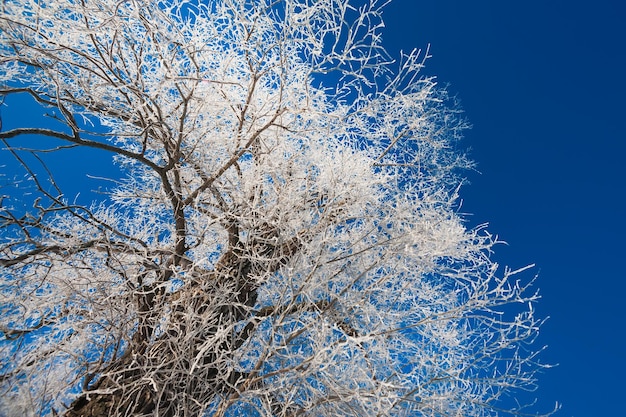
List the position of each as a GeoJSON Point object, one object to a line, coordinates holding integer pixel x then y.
{"type": "Point", "coordinates": [543, 83]}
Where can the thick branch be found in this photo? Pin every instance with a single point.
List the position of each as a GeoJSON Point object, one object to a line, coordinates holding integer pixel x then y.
{"type": "Point", "coordinates": [79, 141]}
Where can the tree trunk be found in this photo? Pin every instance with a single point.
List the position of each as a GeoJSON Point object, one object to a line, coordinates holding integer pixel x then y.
{"type": "Point", "coordinates": [162, 371]}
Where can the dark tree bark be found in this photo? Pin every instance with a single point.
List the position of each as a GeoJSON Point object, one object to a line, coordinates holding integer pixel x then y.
{"type": "Point", "coordinates": [194, 312]}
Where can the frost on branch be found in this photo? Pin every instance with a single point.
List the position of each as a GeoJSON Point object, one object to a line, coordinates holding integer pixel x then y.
{"type": "Point", "coordinates": [282, 237]}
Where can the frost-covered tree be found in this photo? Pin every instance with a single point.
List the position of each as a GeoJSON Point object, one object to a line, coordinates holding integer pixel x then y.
{"type": "Point", "coordinates": [282, 237]}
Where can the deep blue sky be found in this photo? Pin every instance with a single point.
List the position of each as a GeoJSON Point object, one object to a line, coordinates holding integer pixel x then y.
{"type": "Point", "coordinates": [543, 82]}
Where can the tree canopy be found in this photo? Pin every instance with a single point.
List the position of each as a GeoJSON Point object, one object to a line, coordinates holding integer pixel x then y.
{"type": "Point", "coordinates": [282, 237]}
